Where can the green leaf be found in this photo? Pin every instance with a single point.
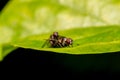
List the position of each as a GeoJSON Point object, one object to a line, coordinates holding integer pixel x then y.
{"type": "Point", "coordinates": [24, 19]}
{"type": "Point", "coordinates": [91, 40]}
{"type": "Point", "coordinates": [1, 52]}
{"type": "Point", "coordinates": [5, 50]}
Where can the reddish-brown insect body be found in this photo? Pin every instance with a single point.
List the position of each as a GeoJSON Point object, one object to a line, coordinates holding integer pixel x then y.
{"type": "Point", "coordinates": [56, 40]}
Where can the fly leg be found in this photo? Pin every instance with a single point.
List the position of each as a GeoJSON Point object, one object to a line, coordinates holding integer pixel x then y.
{"type": "Point", "coordinates": [44, 43]}
{"type": "Point", "coordinates": [60, 45]}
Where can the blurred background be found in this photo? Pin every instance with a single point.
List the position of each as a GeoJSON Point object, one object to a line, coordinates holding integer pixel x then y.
{"type": "Point", "coordinates": [31, 17]}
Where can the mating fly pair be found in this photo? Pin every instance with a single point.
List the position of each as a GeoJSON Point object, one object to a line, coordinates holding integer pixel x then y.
{"type": "Point", "coordinates": [57, 41]}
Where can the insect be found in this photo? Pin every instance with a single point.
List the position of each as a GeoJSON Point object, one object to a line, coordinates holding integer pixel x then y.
{"type": "Point", "coordinates": [55, 40]}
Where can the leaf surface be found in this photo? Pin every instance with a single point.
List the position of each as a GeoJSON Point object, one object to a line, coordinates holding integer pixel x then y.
{"type": "Point", "coordinates": [97, 40]}
{"type": "Point", "coordinates": [22, 20]}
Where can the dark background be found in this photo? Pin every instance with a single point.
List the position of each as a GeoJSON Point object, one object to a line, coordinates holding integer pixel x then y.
{"type": "Point", "coordinates": [67, 64]}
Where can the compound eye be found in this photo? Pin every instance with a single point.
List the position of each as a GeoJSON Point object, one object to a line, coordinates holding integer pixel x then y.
{"type": "Point", "coordinates": [55, 34]}
{"type": "Point", "coordinates": [70, 40]}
